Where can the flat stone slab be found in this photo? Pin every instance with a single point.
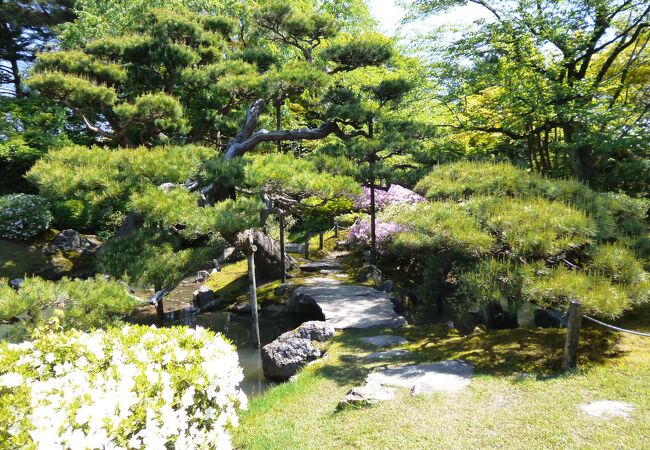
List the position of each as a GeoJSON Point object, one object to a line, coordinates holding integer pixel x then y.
{"type": "Point", "coordinates": [607, 408]}
{"type": "Point", "coordinates": [384, 340]}
{"type": "Point", "coordinates": [351, 306]}
{"type": "Point", "coordinates": [444, 376]}
{"type": "Point", "coordinates": [387, 354]}
{"type": "Point", "coordinates": [366, 395]}
{"type": "Point", "coordinates": [319, 266]}
{"type": "Point", "coordinates": [292, 247]}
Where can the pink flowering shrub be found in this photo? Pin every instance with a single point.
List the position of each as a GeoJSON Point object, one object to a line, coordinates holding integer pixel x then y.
{"type": "Point", "coordinates": [395, 195]}
{"type": "Point", "coordinates": [359, 235]}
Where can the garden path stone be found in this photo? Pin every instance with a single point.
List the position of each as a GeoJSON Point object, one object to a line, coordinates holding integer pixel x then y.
{"type": "Point", "coordinates": [387, 354]}
{"type": "Point", "coordinates": [347, 306]}
{"type": "Point", "coordinates": [384, 340]}
{"type": "Point", "coordinates": [366, 395]}
{"type": "Point", "coordinates": [607, 408]}
{"type": "Point", "coordinates": [319, 266]}
{"type": "Point", "coordinates": [443, 376]}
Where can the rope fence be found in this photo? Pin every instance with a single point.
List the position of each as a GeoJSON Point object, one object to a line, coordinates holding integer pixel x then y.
{"type": "Point", "coordinates": [615, 328]}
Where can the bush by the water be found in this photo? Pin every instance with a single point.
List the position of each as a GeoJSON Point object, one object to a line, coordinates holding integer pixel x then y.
{"type": "Point", "coordinates": [71, 214]}
{"type": "Point", "coordinates": [80, 304]}
{"type": "Point", "coordinates": [23, 216]}
{"type": "Point", "coordinates": [104, 179]}
{"type": "Point", "coordinates": [128, 387]}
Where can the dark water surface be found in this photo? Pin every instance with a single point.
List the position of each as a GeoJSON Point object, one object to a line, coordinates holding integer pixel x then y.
{"type": "Point", "coordinates": [236, 327]}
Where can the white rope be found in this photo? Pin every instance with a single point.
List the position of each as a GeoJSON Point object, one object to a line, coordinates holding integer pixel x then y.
{"type": "Point", "coordinates": [606, 325]}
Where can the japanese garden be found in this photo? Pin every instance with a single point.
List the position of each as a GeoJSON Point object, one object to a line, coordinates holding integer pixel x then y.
{"type": "Point", "coordinates": [301, 224]}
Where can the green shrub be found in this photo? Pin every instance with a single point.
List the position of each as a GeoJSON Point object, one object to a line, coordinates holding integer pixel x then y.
{"type": "Point", "coordinates": [560, 286]}
{"type": "Point", "coordinates": [23, 216]}
{"type": "Point", "coordinates": [105, 179]}
{"type": "Point", "coordinates": [533, 227]}
{"type": "Point", "coordinates": [71, 214]}
{"type": "Point", "coordinates": [79, 304]}
{"type": "Point", "coordinates": [128, 387]}
{"type": "Point", "coordinates": [16, 157]}
{"type": "Point", "coordinates": [437, 227]}
{"type": "Point", "coordinates": [616, 215]}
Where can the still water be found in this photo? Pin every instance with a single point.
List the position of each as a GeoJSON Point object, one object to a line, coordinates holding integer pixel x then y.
{"type": "Point", "coordinates": [236, 327]}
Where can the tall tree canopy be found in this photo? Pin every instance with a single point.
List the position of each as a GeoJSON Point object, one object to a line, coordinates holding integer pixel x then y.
{"type": "Point", "coordinates": [26, 27]}
{"type": "Point", "coordinates": [565, 81]}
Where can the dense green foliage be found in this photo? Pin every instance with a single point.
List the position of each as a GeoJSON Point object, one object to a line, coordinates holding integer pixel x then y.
{"type": "Point", "coordinates": [23, 216]}
{"type": "Point", "coordinates": [499, 234]}
{"type": "Point", "coordinates": [80, 304]}
{"type": "Point", "coordinates": [104, 180]}
{"type": "Point", "coordinates": [560, 86]}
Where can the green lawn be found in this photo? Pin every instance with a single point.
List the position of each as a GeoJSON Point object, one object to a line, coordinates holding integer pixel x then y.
{"type": "Point", "coordinates": [518, 398]}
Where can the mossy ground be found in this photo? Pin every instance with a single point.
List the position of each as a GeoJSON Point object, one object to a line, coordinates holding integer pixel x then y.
{"type": "Point", "coordinates": [517, 399]}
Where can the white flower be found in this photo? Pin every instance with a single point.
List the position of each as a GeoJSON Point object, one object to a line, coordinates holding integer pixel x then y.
{"type": "Point", "coordinates": [11, 380]}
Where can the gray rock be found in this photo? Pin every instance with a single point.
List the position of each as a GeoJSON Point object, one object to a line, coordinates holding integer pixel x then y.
{"type": "Point", "coordinates": [607, 408]}
{"type": "Point", "coordinates": [166, 187]}
{"type": "Point", "coordinates": [202, 275]}
{"type": "Point", "coordinates": [385, 340]}
{"type": "Point", "coordinates": [318, 266]}
{"type": "Point", "coordinates": [292, 247]}
{"type": "Point", "coordinates": [369, 272]}
{"type": "Point", "coordinates": [243, 307]}
{"type": "Point", "coordinates": [314, 330]}
{"type": "Point", "coordinates": [550, 318]}
{"type": "Point", "coordinates": [274, 308]}
{"type": "Point", "coordinates": [281, 359]}
{"type": "Point", "coordinates": [388, 286]}
{"type": "Point", "coordinates": [284, 288]}
{"type": "Point", "coordinates": [16, 283]}
{"type": "Point", "coordinates": [71, 241]}
{"type": "Point", "coordinates": [387, 354]}
{"type": "Point", "coordinates": [444, 376]}
{"type": "Point", "coordinates": [303, 304]}
{"type": "Point", "coordinates": [366, 395]}
{"type": "Point", "coordinates": [202, 296]}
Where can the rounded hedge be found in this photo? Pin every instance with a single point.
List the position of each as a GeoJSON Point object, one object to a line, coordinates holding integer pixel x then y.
{"type": "Point", "coordinates": [23, 216]}
{"type": "Point", "coordinates": [72, 214]}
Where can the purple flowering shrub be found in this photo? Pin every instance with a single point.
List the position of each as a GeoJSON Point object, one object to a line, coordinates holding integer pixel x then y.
{"type": "Point", "coordinates": [359, 235]}
{"type": "Point", "coordinates": [395, 195]}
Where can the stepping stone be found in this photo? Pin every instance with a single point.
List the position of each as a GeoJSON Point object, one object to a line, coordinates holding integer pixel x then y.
{"type": "Point", "coordinates": [318, 266]}
{"type": "Point", "coordinates": [388, 354]}
{"type": "Point", "coordinates": [385, 340]}
{"type": "Point", "coordinates": [292, 247]}
{"type": "Point", "coordinates": [444, 376]}
{"type": "Point", "coordinates": [344, 305]}
{"type": "Point", "coordinates": [607, 408]}
{"type": "Point", "coordinates": [366, 395]}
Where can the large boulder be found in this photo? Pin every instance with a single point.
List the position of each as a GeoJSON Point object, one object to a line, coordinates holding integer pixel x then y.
{"type": "Point", "coordinates": [71, 241]}
{"type": "Point", "coordinates": [267, 254]}
{"type": "Point", "coordinates": [303, 304]}
{"type": "Point", "coordinates": [314, 330]}
{"type": "Point", "coordinates": [550, 318]}
{"type": "Point", "coordinates": [369, 272]}
{"type": "Point", "coordinates": [281, 359]}
{"type": "Point", "coordinates": [203, 296]}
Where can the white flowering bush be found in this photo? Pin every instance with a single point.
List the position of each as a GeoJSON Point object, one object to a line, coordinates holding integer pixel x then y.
{"type": "Point", "coordinates": [23, 216]}
{"type": "Point", "coordinates": [122, 388]}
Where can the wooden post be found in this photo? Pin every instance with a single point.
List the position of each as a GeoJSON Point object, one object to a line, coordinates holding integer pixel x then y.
{"type": "Point", "coordinates": [572, 336]}
{"type": "Point", "coordinates": [252, 292]}
{"type": "Point", "coordinates": [307, 247]}
{"type": "Point", "coordinates": [320, 240]}
{"type": "Point", "coordinates": [282, 250]}
{"type": "Point", "coordinates": [336, 230]}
